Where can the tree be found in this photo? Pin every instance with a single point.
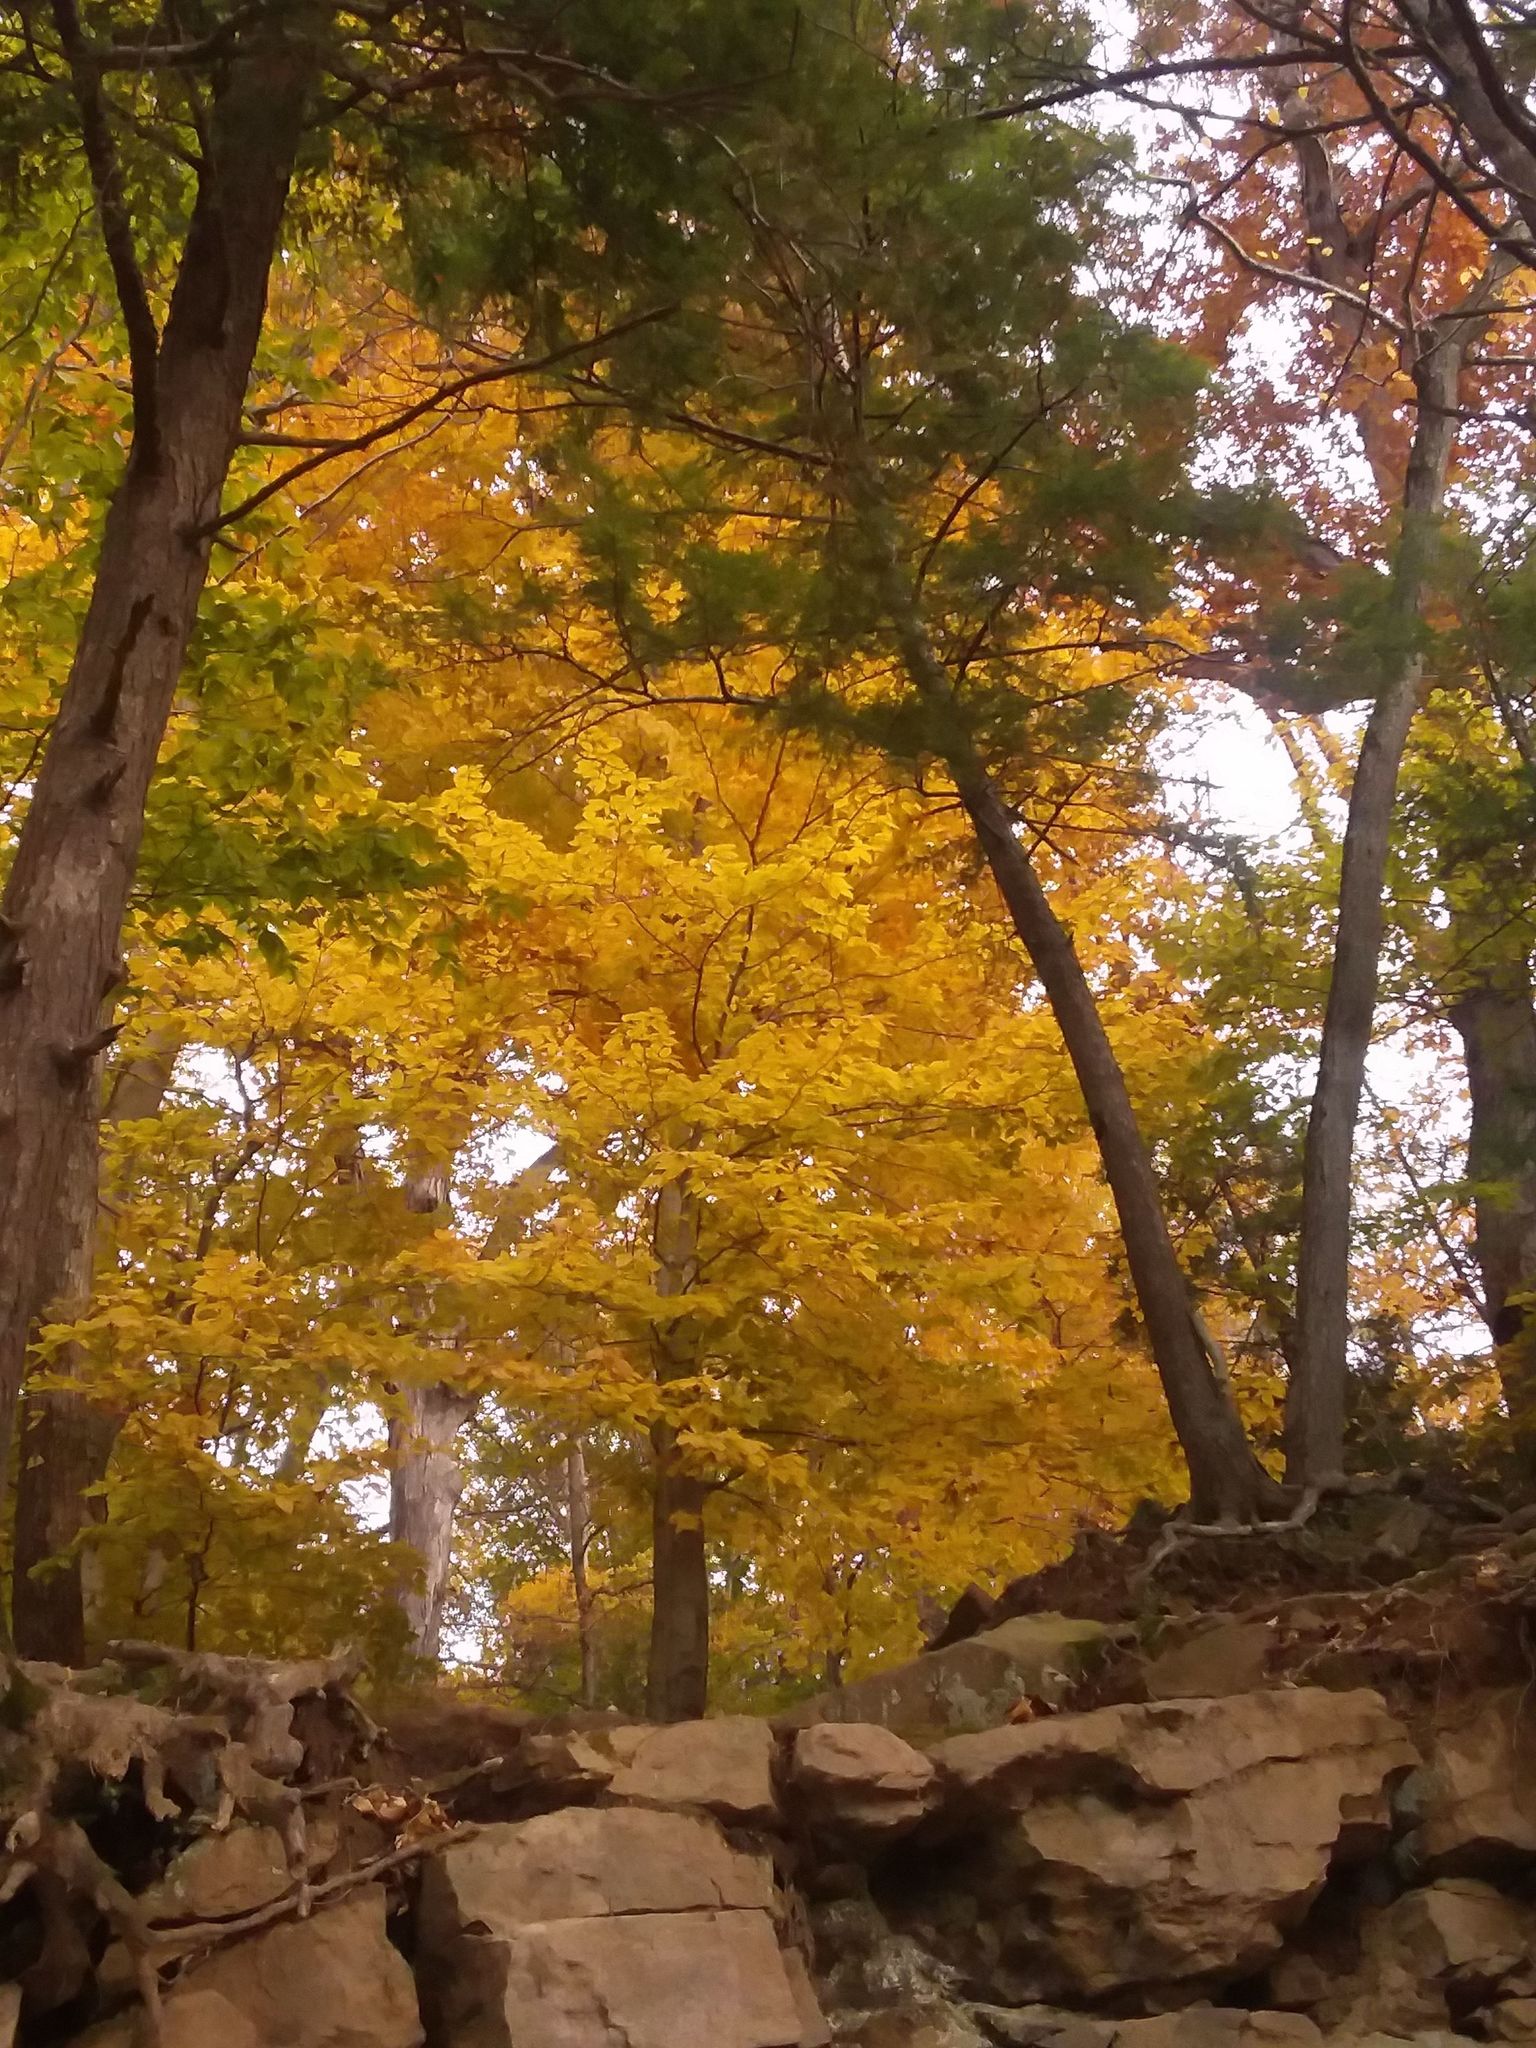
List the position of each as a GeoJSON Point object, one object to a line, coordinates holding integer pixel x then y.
{"type": "Point", "coordinates": [210, 131]}
{"type": "Point", "coordinates": [921, 464]}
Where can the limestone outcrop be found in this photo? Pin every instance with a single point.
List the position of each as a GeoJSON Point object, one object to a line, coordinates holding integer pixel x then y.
{"type": "Point", "coordinates": [1276, 1864]}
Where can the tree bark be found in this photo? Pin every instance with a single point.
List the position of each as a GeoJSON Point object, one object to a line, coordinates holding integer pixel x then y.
{"type": "Point", "coordinates": [66, 1437]}
{"type": "Point", "coordinates": [426, 1483]}
{"type": "Point", "coordinates": [1316, 1397]}
{"type": "Point", "coordinates": [677, 1677]}
{"type": "Point", "coordinates": [1497, 1025]}
{"type": "Point", "coordinates": [1226, 1480]}
{"type": "Point", "coordinates": [578, 1506]}
{"type": "Point", "coordinates": [62, 911]}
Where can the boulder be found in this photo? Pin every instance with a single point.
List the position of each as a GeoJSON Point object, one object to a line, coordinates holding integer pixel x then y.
{"type": "Point", "coordinates": [1472, 1807]}
{"type": "Point", "coordinates": [859, 1782]}
{"type": "Point", "coordinates": [724, 1766]}
{"type": "Point", "coordinates": [1429, 1956]}
{"type": "Point", "coordinates": [936, 2025]}
{"type": "Point", "coordinates": [611, 1927]}
{"type": "Point", "coordinates": [1198, 1831]}
{"type": "Point", "coordinates": [1215, 2026]}
{"type": "Point", "coordinates": [1214, 1662]}
{"type": "Point", "coordinates": [971, 1684]}
{"type": "Point", "coordinates": [584, 1862]}
{"type": "Point", "coordinates": [333, 1981]}
{"type": "Point", "coordinates": [222, 1875]}
{"type": "Point", "coordinates": [189, 2019]}
{"type": "Point", "coordinates": [653, 1980]}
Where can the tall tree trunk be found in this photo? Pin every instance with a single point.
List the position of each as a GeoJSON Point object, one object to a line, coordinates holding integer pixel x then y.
{"type": "Point", "coordinates": [66, 1437]}
{"type": "Point", "coordinates": [578, 1521]}
{"type": "Point", "coordinates": [62, 911]}
{"type": "Point", "coordinates": [1497, 1024]}
{"type": "Point", "coordinates": [426, 1483]}
{"type": "Point", "coordinates": [677, 1676]}
{"type": "Point", "coordinates": [1316, 1397]}
{"type": "Point", "coordinates": [1226, 1480]}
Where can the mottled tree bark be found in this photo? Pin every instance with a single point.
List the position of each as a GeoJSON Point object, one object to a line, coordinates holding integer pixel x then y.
{"type": "Point", "coordinates": [1497, 1024]}
{"type": "Point", "coordinates": [677, 1675]}
{"type": "Point", "coordinates": [62, 912]}
{"type": "Point", "coordinates": [1316, 1396]}
{"type": "Point", "coordinates": [67, 1437]}
{"type": "Point", "coordinates": [425, 1486]}
{"type": "Point", "coordinates": [578, 1518]}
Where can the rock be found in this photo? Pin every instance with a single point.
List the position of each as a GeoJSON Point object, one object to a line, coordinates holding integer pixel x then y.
{"type": "Point", "coordinates": [1514, 2019]}
{"type": "Point", "coordinates": [1405, 1529]}
{"type": "Point", "coordinates": [1428, 1955]}
{"type": "Point", "coordinates": [332, 1981]}
{"type": "Point", "coordinates": [938, 2025]}
{"type": "Point", "coordinates": [860, 1782]}
{"type": "Point", "coordinates": [612, 1927]}
{"type": "Point", "coordinates": [864, 1965]}
{"type": "Point", "coordinates": [1215, 1662]}
{"type": "Point", "coordinates": [971, 1685]}
{"type": "Point", "coordinates": [1197, 1830]}
{"type": "Point", "coordinates": [652, 1980]}
{"type": "Point", "coordinates": [222, 1875]}
{"type": "Point", "coordinates": [972, 1612]}
{"type": "Point", "coordinates": [1041, 2026]}
{"type": "Point", "coordinates": [584, 1862]}
{"type": "Point", "coordinates": [724, 1766]}
{"type": "Point", "coordinates": [1473, 1805]}
{"type": "Point", "coordinates": [814, 2031]}
{"type": "Point", "coordinates": [1215, 2026]}
{"type": "Point", "coordinates": [189, 2019]}
{"type": "Point", "coordinates": [10, 2014]}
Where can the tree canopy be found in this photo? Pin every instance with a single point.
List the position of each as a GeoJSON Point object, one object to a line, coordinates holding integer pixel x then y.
{"type": "Point", "coordinates": [648, 1017]}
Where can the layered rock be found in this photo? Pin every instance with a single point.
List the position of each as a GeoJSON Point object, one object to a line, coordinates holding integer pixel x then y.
{"type": "Point", "coordinates": [1141, 1846]}
{"type": "Point", "coordinates": [616, 1927]}
{"type": "Point", "coordinates": [969, 1686]}
{"type": "Point", "coordinates": [334, 1980]}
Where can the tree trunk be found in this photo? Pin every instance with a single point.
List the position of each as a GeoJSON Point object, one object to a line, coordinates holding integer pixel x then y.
{"type": "Point", "coordinates": [578, 1518]}
{"type": "Point", "coordinates": [1316, 1395]}
{"type": "Point", "coordinates": [62, 911]}
{"type": "Point", "coordinates": [1497, 1023]}
{"type": "Point", "coordinates": [1226, 1480]}
{"type": "Point", "coordinates": [67, 1438]}
{"type": "Point", "coordinates": [677, 1678]}
{"type": "Point", "coordinates": [426, 1483]}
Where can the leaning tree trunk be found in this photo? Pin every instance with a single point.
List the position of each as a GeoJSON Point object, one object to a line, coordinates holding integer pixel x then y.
{"type": "Point", "coordinates": [677, 1675]}
{"type": "Point", "coordinates": [62, 912]}
{"type": "Point", "coordinates": [1497, 1024]}
{"type": "Point", "coordinates": [1226, 1480]}
{"type": "Point", "coordinates": [426, 1483]}
{"type": "Point", "coordinates": [66, 1437]}
{"type": "Point", "coordinates": [1316, 1397]}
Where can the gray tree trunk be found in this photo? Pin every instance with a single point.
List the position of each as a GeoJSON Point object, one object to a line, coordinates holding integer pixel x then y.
{"type": "Point", "coordinates": [61, 915]}
{"type": "Point", "coordinates": [1497, 1024]}
{"type": "Point", "coordinates": [66, 1437]}
{"type": "Point", "coordinates": [425, 1486]}
{"type": "Point", "coordinates": [677, 1673]}
{"type": "Point", "coordinates": [1316, 1397]}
